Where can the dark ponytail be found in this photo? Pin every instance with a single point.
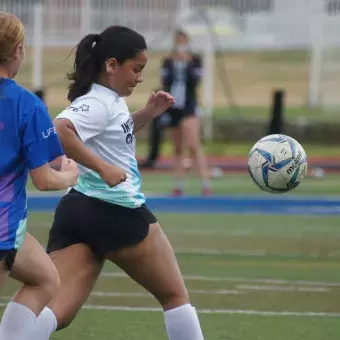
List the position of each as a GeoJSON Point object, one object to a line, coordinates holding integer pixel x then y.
{"type": "Point", "coordinates": [85, 69]}
{"type": "Point", "coordinates": [117, 42]}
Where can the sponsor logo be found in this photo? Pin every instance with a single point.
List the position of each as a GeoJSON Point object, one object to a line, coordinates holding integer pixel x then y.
{"type": "Point", "coordinates": [49, 132]}
{"type": "Point", "coordinates": [295, 163]}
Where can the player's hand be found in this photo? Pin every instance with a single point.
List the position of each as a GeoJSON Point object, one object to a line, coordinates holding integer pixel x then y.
{"type": "Point", "coordinates": [159, 102]}
{"type": "Point", "coordinates": [70, 167]}
{"type": "Point", "coordinates": [56, 163]}
{"type": "Point", "coordinates": [112, 175]}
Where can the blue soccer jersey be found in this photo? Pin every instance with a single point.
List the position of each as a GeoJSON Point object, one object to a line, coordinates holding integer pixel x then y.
{"type": "Point", "coordinates": [28, 140]}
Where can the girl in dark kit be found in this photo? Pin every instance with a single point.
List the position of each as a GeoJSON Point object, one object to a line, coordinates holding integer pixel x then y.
{"type": "Point", "coordinates": [180, 75]}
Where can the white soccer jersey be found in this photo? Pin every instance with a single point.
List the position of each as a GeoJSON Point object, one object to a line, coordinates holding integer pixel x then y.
{"type": "Point", "coordinates": [104, 124]}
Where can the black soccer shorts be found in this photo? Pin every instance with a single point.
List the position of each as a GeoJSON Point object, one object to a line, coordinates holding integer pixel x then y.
{"type": "Point", "coordinates": [101, 225]}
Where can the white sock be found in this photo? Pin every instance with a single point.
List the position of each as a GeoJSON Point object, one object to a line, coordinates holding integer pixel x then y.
{"type": "Point", "coordinates": [46, 324]}
{"type": "Point", "coordinates": [182, 323]}
{"type": "Point", "coordinates": [18, 321]}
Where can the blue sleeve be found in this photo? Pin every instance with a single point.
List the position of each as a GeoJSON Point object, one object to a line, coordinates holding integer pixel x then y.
{"type": "Point", "coordinates": [41, 144]}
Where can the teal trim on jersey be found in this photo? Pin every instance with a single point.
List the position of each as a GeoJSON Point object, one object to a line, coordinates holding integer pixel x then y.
{"type": "Point", "coordinates": [92, 185]}
{"type": "Point", "coordinates": [20, 235]}
{"type": "Point", "coordinates": [136, 181]}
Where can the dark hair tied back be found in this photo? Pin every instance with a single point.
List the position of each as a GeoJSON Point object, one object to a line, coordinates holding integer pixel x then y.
{"type": "Point", "coordinates": [98, 38]}
{"type": "Point", "coordinates": [117, 42]}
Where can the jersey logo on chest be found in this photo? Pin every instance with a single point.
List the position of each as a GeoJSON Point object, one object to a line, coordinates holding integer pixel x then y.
{"type": "Point", "coordinates": [128, 131]}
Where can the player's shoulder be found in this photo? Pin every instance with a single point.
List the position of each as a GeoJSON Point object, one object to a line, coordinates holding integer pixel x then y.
{"type": "Point", "coordinates": [99, 100]}
{"type": "Point", "coordinates": [25, 98]}
{"type": "Point", "coordinates": [28, 96]}
{"type": "Point", "coordinates": [88, 103]}
{"type": "Point", "coordinates": [114, 103]}
{"type": "Point", "coordinates": [104, 96]}
{"type": "Point", "coordinates": [121, 107]}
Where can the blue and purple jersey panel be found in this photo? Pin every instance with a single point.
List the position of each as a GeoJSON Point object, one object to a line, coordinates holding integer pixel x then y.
{"type": "Point", "coordinates": [28, 140]}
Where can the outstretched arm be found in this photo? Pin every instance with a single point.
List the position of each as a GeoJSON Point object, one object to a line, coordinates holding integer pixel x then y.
{"type": "Point", "coordinates": [156, 105]}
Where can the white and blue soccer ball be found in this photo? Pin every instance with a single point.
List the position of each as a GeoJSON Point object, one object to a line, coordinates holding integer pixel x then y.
{"type": "Point", "coordinates": [277, 164]}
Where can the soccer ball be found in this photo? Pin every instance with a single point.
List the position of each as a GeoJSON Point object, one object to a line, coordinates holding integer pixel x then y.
{"type": "Point", "coordinates": [277, 163]}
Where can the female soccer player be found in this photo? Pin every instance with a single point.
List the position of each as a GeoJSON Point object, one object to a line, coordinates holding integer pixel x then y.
{"type": "Point", "coordinates": [28, 143]}
{"type": "Point", "coordinates": [104, 217]}
{"type": "Point", "coordinates": [180, 75]}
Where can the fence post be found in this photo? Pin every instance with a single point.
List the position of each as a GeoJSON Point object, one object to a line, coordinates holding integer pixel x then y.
{"type": "Point", "coordinates": [86, 19]}
{"type": "Point", "coordinates": [276, 123]}
{"type": "Point", "coordinates": [208, 82]}
{"type": "Point", "coordinates": [315, 66]}
{"type": "Point", "coordinates": [37, 74]}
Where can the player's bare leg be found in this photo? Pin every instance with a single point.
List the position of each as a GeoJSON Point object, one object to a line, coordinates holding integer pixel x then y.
{"type": "Point", "coordinates": [77, 278]}
{"type": "Point", "coordinates": [152, 264]}
{"type": "Point", "coordinates": [35, 270]}
{"type": "Point", "coordinates": [3, 272]}
{"type": "Point", "coordinates": [190, 129]}
{"type": "Point", "coordinates": [177, 140]}
{"type": "Point", "coordinates": [78, 269]}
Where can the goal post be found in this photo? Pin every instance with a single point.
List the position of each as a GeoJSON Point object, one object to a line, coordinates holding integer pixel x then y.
{"type": "Point", "coordinates": [37, 69]}
{"type": "Point", "coordinates": [325, 58]}
{"type": "Point", "coordinates": [315, 64]}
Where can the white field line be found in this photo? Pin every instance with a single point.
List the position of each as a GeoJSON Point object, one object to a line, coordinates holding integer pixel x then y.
{"type": "Point", "coordinates": [242, 289]}
{"type": "Point", "coordinates": [217, 311]}
{"type": "Point", "coordinates": [210, 311]}
{"type": "Point", "coordinates": [241, 279]}
{"type": "Point", "coordinates": [268, 288]}
{"type": "Point", "coordinates": [244, 232]}
{"type": "Point", "coordinates": [139, 294]}
{"type": "Point", "coordinates": [210, 251]}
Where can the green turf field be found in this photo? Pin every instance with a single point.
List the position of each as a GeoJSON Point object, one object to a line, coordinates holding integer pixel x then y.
{"type": "Point", "coordinates": [253, 277]}
{"type": "Point", "coordinates": [238, 184]}
{"type": "Point", "coordinates": [258, 277]}
{"type": "Point", "coordinates": [250, 276]}
{"type": "Point", "coordinates": [233, 184]}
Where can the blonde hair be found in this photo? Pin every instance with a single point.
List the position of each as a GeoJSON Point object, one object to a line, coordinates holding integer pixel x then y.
{"type": "Point", "coordinates": [12, 34]}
